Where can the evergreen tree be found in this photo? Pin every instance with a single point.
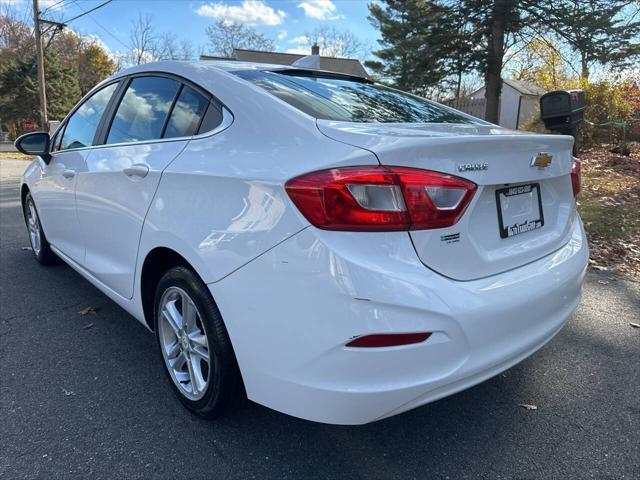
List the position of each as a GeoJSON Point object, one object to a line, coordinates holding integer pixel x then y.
{"type": "Point", "coordinates": [424, 42]}
{"type": "Point", "coordinates": [462, 47]}
{"type": "Point", "coordinates": [492, 21]}
{"type": "Point", "coordinates": [73, 65]}
{"type": "Point", "coordinates": [418, 39]}
{"type": "Point", "coordinates": [19, 86]}
{"type": "Point", "coordinates": [427, 42]}
{"type": "Point", "coordinates": [598, 31]}
{"type": "Point", "coordinates": [63, 88]}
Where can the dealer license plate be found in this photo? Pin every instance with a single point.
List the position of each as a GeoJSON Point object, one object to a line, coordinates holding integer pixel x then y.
{"type": "Point", "coordinates": [519, 209]}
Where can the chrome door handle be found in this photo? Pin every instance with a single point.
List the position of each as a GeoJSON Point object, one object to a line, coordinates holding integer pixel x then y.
{"type": "Point", "coordinates": [136, 170]}
{"type": "Point", "coordinates": [68, 173]}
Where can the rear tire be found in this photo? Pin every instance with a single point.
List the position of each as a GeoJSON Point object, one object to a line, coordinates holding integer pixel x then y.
{"type": "Point", "coordinates": [194, 345]}
{"type": "Point", "coordinates": [39, 245]}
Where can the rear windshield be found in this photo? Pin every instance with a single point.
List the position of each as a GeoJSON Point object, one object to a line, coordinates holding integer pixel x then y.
{"type": "Point", "coordinates": [349, 99]}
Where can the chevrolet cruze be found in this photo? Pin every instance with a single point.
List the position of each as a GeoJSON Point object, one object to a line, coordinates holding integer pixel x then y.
{"type": "Point", "coordinates": [339, 250]}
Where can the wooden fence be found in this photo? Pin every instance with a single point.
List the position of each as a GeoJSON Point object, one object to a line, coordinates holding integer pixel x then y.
{"type": "Point", "coordinates": [472, 106]}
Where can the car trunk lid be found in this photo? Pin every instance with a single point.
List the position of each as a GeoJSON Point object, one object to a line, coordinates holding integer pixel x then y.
{"type": "Point", "coordinates": [520, 212]}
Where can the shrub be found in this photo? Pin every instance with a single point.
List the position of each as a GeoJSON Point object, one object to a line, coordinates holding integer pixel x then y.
{"type": "Point", "coordinates": [616, 100]}
{"type": "Point", "coordinates": [609, 101]}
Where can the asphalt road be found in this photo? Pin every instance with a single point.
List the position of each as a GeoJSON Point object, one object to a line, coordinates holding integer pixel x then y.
{"type": "Point", "coordinates": [85, 397]}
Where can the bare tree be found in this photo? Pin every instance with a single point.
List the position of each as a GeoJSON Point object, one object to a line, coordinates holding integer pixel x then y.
{"type": "Point", "coordinates": [337, 43]}
{"type": "Point", "coordinates": [224, 37]}
{"type": "Point", "coordinates": [186, 50]}
{"type": "Point", "coordinates": [169, 48]}
{"type": "Point", "coordinates": [166, 47]}
{"type": "Point", "coordinates": [15, 34]}
{"type": "Point", "coordinates": [148, 46]}
{"type": "Point", "coordinates": [144, 41]}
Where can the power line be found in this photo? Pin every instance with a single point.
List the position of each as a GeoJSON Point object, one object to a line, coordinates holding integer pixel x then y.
{"type": "Point", "coordinates": [106, 30]}
{"type": "Point", "coordinates": [109, 33]}
{"type": "Point", "coordinates": [87, 12]}
{"type": "Point", "coordinates": [38, 21]}
{"type": "Point", "coordinates": [52, 6]}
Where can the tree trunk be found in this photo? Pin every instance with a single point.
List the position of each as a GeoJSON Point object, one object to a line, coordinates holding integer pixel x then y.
{"type": "Point", "coordinates": [495, 54]}
{"type": "Point", "coordinates": [585, 67]}
{"type": "Point", "coordinates": [458, 86]}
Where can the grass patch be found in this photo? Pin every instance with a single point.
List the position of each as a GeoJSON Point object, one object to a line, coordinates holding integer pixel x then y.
{"type": "Point", "coordinates": [609, 205]}
{"type": "Point", "coordinates": [609, 222]}
{"type": "Point", "coordinates": [15, 155]}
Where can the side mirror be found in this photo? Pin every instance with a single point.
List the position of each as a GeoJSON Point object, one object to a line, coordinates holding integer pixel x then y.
{"type": "Point", "coordinates": [35, 143]}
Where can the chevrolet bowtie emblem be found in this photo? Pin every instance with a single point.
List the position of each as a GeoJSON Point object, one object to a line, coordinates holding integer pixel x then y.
{"type": "Point", "coordinates": [542, 160]}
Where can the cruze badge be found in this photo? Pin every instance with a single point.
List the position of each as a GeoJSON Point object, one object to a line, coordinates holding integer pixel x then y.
{"type": "Point", "coordinates": [472, 167]}
{"type": "Point", "coordinates": [542, 160]}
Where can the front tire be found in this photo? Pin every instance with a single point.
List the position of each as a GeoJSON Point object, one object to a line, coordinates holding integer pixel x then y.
{"type": "Point", "coordinates": [195, 348]}
{"type": "Point", "coordinates": [39, 244]}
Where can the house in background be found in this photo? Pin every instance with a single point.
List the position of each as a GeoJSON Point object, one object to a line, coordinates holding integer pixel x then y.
{"type": "Point", "coordinates": [349, 66]}
{"type": "Point", "coordinates": [519, 102]}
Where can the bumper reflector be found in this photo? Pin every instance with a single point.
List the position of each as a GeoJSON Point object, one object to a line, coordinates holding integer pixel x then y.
{"type": "Point", "coordinates": [388, 340]}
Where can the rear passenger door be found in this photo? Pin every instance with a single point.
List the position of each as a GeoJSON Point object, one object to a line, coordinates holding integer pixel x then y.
{"type": "Point", "coordinates": [150, 125]}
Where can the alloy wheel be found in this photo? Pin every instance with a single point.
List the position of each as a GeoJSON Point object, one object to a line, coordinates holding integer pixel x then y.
{"type": "Point", "coordinates": [34, 227]}
{"type": "Point", "coordinates": [184, 343]}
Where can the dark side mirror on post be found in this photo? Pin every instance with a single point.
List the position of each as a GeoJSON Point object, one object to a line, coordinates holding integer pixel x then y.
{"type": "Point", "coordinates": [35, 143]}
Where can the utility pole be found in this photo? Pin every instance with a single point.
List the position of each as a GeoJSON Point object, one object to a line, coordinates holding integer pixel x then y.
{"type": "Point", "coordinates": [37, 22]}
{"type": "Point", "coordinates": [44, 123]}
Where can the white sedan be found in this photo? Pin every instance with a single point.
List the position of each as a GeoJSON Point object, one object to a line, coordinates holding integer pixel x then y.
{"type": "Point", "coordinates": [339, 250]}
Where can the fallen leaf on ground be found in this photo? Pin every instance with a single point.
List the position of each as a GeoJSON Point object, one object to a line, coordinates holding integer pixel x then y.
{"type": "Point", "coordinates": [67, 392]}
{"type": "Point", "coordinates": [88, 326]}
{"type": "Point", "coordinates": [611, 184]}
{"type": "Point", "coordinates": [88, 311]}
{"type": "Point", "coordinates": [634, 325]}
{"type": "Point", "coordinates": [528, 407]}
{"type": "Point", "coordinates": [26, 248]}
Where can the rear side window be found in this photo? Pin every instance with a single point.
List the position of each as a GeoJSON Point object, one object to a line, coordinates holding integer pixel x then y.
{"type": "Point", "coordinates": [143, 110]}
{"type": "Point", "coordinates": [82, 125]}
{"type": "Point", "coordinates": [349, 99]}
{"type": "Point", "coordinates": [212, 118]}
{"type": "Point", "coordinates": [187, 114]}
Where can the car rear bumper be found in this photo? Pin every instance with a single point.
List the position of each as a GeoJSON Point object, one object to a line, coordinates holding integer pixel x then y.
{"type": "Point", "coordinates": [291, 311]}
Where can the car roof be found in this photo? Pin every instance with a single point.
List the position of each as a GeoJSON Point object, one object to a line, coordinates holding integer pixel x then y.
{"type": "Point", "coordinates": [234, 65]}
{"type": "Point", "coordinates": [228, 66]}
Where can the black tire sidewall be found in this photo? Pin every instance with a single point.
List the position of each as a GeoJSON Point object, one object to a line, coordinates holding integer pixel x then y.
{"type": "Point", "coordinates": [46, 255]}
{"type": "Point", "coordinates": [223, 370]}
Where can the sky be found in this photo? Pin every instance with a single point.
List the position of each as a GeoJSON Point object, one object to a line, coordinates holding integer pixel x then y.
{"type": "Point", "coordinates": [285, 22]}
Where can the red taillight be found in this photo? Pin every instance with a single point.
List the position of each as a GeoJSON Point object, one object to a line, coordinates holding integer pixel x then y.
{"type": "Point", "coordinates": [388, 340]}
{"type": "Point", "coordinates": [576, 176]}
{"type": "Point", "coordinates": [380, 198]}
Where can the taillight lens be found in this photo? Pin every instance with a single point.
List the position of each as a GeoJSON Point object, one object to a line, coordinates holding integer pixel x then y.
{"type": "Point", "coordinates": [576, 179]}
{"type": "Point", "coordinates": [373, 198]}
